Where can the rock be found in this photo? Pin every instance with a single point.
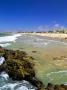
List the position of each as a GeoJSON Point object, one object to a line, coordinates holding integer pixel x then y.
{"type": "Point", "coordinates": [58, 87]}
{"type": "Point", "coordinates": [34, 81]}
{"type": "Point", "coordinates": [34, 51]}
{"type": "Point", "coordinates": [19, 66]}
{"type": "Point", "coordinates": [64, 86]}
{"type": "Point", "coordinates": [50, 86]}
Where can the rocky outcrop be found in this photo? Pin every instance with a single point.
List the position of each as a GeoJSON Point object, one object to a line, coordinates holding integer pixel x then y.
{"type": "Point", "coordinates": [19, 66]}
{"type": "Point", "coordinates": [56, 87]}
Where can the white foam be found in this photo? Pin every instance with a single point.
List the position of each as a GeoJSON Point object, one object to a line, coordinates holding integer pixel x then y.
{"type": "Point", "coordinates": [9, 38]}
{"type": "Point", "coordinates": [65, 83]}
{"type": "Point", "coordinates": [16, 86]}
{"type": "Point", "coordinates": [24, 81]}
{"type": "Point", "coordinates": [45, 43]}
{"type": "Point", "coordinates": [5, 45]}
{"type": "Point", "coordinates": [2, 59]}
{"type": "Point", "coordinates": [4, 75]}
{"type": "Point", "coordinates": [9, 85]}
{"type": "Point", "coordinates": [22, 88]}
{"type": "Point", "coordinates": [63, 71]}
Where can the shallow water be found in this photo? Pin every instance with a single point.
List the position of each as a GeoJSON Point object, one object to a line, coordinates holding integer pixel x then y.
{"type": "Point", "coordinates": [46, 50]}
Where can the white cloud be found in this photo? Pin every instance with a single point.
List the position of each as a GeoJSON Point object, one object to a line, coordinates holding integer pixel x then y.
{"type": "Point", "coordinates": [56, 25]}
{"type": "Point", "coordinates": [43, 28]}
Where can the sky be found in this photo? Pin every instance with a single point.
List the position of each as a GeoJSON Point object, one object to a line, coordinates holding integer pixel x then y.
{"type": "Point", "coordinates": [32, 14]}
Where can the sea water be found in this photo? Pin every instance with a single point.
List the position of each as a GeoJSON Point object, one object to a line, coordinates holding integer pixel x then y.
{"type": "Point", "coordinates": [33, 42]}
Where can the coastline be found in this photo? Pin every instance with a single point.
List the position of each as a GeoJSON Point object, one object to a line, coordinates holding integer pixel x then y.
{"type": "Point", "coordinates": [44, 56]}
{"type": "Point", "coordinates": [6, 40]}
{"type": "Point", "coordinates": [54, 35]}
{"type": "Point", "coordinates": [51, 36]}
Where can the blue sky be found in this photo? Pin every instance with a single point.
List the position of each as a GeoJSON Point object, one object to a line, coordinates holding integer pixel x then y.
{"type": "Point", "coordinates": [29, 14]}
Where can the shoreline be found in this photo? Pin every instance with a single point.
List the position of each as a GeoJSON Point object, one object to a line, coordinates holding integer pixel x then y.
{"type": "Point", "coordinates": [51, 36]}
{"type": "Point", "coordinates": [6, 40]}
{"type": "Point", "coordinates": [44, 54]}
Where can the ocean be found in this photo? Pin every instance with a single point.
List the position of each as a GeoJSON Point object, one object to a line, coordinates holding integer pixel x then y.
{"type": "Point", "coordinates": [44, 51]}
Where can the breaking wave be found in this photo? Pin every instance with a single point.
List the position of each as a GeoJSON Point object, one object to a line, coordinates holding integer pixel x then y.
{"type": "Point", "coordinates": [5, 40]}
{"type": "Point", "coordinates": [9, 38]}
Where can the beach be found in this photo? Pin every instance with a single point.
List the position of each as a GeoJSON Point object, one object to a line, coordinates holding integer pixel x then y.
{"type": "Point", "coordinates": [54, 35]}
{"type": "Point", "coordinates": [50, 55]}
{"type": "Point", "coordinates": [57, 36]}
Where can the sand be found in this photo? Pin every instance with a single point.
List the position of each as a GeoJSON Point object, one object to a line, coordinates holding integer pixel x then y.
{"type": "Point", "coordinates": [52, 35]}
{"type": "Point", "coordinates": [50, 59]}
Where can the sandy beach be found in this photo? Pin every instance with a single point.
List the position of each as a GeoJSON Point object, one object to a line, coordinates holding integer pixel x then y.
{"type": "Point", "coordinates": [50, 55]}
{"type": "Point", "coordinates": [52, 35]}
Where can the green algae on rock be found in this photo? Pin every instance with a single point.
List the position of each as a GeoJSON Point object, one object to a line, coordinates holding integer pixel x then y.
{"type": "Point", "coordinates": [19, 66]}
